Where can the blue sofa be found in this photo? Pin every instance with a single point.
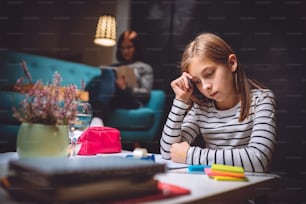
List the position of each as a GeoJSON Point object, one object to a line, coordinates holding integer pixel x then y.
{"type": "Point", "coordinates": [135, 125]}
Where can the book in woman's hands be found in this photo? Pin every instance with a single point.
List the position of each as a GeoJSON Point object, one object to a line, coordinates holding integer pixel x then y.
{"type": "Point", "coordinates": [125, 71]}
{"type": "Point", "coordinates": [71, 171]}
{"type": "Point", "coordinates": [128, 74]}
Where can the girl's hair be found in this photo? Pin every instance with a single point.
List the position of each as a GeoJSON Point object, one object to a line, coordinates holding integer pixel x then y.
{"type": "Point", "coordinates": [208, 45]}
{"type": "Point", "coordinates": [132, 36]}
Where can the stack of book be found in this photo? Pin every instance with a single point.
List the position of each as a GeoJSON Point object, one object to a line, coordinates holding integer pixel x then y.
{"type": "Point", "coordinates": [81, 179]}
{"type": "Point", "coordinates": [226, 173]}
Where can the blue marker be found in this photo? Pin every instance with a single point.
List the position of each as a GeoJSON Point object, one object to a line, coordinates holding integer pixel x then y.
{"type": "Point", "coordinates": [198, 168]}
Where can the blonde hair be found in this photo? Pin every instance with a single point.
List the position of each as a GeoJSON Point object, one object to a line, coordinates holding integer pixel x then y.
{"type": "Point", "coordinates": [212, 47]}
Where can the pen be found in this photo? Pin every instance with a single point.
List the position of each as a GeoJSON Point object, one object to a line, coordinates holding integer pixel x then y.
{"type": "Point", "coordinates": [261, 174]}
{"type": "Point", "coordinates": [148, 157]}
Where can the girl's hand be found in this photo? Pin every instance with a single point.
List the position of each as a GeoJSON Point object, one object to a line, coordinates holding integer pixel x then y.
{"type": "Point", "coordinates": [182, 88]}
{"type": "Point", "coordinates": [178, 152]}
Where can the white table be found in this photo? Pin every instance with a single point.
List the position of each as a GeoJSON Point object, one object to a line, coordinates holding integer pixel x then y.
{"type": "Point", "coordinates": [203, 189]}
{"type": "Point", "coordinates": [206, 190]}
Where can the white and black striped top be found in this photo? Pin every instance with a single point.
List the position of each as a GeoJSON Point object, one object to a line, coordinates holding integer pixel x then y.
{"type": "Point", "coordinates": [249, 143]}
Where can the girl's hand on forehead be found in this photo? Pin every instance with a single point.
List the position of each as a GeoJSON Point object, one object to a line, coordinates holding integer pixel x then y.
{"type": "Point", "coordinates": [184, 81]}
{"type": "Point", "coordinates": [182, 87]}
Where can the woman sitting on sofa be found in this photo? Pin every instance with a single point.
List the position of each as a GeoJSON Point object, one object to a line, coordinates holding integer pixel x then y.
{"type": "Point", "coordinates": [128, 53]}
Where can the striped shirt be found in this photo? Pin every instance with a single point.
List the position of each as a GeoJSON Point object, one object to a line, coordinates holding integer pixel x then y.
{"type": "Point", "coordinates": [249, 143]}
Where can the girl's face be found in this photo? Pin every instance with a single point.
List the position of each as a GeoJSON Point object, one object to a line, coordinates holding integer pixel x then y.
{"type": "Point", "coordinates": [215, 81]}
{"type": "Point", "coordinates": [127, 50]}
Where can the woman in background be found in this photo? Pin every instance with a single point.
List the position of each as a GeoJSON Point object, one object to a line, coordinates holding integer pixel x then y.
{"type": "Point", "coordinates": [215, 100]}
{"type": "Point", "coordinates": [105, 96]}
{"type": "Point", "coordinates": [129, 53]}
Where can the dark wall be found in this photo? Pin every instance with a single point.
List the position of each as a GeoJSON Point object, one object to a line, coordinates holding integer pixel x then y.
{"type": "Point", "coordinates": [268, 37]}
{"type": "Point", "coordinates": [57, 28]}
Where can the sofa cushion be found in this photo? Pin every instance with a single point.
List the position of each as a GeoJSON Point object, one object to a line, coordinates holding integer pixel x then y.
{"type": "Point", "coordinates": [131, 119]}
{"type": "Point", "coordinates": [43, 68]}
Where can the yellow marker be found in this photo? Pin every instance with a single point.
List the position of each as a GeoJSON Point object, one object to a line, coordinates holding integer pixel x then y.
{"type": "Point", "coordinates": [229, 178]}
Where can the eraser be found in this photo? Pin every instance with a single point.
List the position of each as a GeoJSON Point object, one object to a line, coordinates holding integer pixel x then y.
{"type": "Point", "coordinates": [140, 152]}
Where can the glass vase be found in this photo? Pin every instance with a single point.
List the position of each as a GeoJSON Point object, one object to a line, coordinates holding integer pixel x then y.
{"type": "Point", "coordinates": [39, 140]}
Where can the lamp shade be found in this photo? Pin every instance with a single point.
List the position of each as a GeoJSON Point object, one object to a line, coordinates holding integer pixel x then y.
{"type": "Point", "coordinates": [106, 31]}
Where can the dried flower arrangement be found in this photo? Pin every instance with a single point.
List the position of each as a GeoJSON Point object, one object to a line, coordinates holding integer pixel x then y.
{"type": "Point", "coordinates": [49, 104]}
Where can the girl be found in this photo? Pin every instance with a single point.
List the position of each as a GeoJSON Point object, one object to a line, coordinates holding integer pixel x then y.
{"type": "Point", "coordinates": [215, 100]}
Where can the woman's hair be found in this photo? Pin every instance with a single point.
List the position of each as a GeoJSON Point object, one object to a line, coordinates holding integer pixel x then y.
{"type": "Point", "coordinates": [212, 47]}
{"type": "Point", "coordinates": [132, 36]}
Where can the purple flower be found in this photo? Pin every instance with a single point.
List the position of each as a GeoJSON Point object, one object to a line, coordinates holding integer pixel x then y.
{"type": "Point", "coordinates": [50, 104]}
